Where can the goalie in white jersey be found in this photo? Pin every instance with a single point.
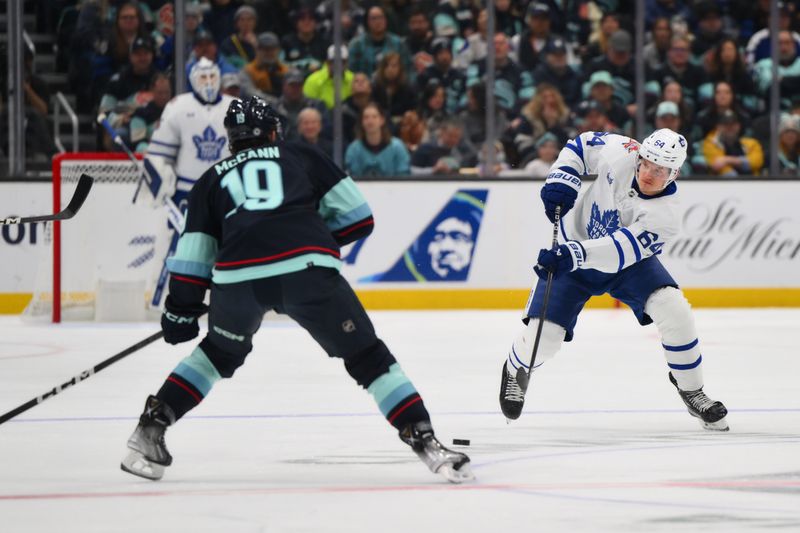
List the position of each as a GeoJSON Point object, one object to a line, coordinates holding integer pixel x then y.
{"type": "Point", "coordinates": [610, 235]}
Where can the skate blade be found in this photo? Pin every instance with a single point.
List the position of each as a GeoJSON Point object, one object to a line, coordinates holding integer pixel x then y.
{"type": "Point", "coordinates": [454, 475]}
{"type": "Point", "coordinates": [137, 464]}
{"type": "Point", "coordinates": [719, 425]}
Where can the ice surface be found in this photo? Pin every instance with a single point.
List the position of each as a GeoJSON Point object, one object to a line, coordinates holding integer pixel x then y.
{"type": "Point", "coordinates": [292, 444]}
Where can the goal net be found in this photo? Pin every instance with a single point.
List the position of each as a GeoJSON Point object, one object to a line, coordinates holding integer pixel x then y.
{"type": "Point", "coordinates": [102, 264]}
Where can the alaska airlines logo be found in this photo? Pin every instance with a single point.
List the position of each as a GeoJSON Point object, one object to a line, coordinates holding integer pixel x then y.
{"type": "Point", "coordinates": [209, 146]}
{"type": "Point", "coordinates": [602, 225]}
{"type": "Point", "coordinates": [444, 250]}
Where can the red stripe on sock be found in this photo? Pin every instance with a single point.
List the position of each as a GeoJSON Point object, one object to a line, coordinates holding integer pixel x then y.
{"type": "Point", "coordinates": [406, 406]}
{"type": "Point", "coordinates": [193, 394]}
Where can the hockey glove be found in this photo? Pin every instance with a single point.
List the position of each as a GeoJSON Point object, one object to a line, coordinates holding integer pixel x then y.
{"type": "Point", "coordinates": [179, 328]}
{"type": "Point", "coordinates": [555, 194]}
{"type": "Point", "coordinates": [565, 258]}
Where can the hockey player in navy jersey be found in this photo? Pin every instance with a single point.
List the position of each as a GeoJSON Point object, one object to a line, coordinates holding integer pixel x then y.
{"type": "Point", "coordinates": [610, 234]}
{"type": "Point", "coordinates": [263, 232]}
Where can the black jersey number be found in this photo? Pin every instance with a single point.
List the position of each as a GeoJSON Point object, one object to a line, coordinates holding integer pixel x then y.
{"type": "Point", "coordinates": [258, 187]}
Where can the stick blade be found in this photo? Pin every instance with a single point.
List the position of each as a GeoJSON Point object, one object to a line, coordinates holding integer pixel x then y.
{"type": "Point", "coordinates": [79, 196]}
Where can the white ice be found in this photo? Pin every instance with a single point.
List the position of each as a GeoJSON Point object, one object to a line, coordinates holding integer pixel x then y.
{"type": "Point", "coordinates": [292, 444]}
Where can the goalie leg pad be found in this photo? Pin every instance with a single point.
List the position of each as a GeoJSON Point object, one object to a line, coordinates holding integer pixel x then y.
{"type": "Point", "coordinates": [672, 315]}
{"type": "Point", "coordinates": [519, 355]}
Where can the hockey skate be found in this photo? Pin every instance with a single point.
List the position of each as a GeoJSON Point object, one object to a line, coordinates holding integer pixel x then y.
{"type": "Point", "coordinates": [710, 413]}
{"type": "Point", "coordinates": [147, 452]}
{"type": "Point", "coordinates": [454, 466]}
{"type": "Point", "coordinates": [512, 397]}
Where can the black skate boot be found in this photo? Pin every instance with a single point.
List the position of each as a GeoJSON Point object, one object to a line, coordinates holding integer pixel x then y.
{"type": "Point", "coordinates": [710, 413]}
{"type": "Point", "coordinates": [148, 454]}
{"type": "Point", "coordinates": [512, 397]}
{"type": "Point", "coordinates": [454, 466]}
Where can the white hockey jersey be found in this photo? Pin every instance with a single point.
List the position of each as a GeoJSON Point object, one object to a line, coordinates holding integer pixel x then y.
{"type": "Point", "coordinates": [616, 224]}
{"type": "Point", "coordinates": [191, 137]}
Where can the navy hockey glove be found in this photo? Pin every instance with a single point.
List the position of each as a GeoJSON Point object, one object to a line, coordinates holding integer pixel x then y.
{"type": "Point", "coordinates": [565, 258]}
{"type": "Point", "coordinates": [179, 328]}
{"type": "Point", "coordinates": [555, 194]}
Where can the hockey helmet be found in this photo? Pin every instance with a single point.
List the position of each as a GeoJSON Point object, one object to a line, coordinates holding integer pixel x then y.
{"type": "Point", "coordinates": [205, 80]}
{"type": "Point", "coordinates": [666, 148]}
{"type": "Point", "coordinates": [251, 119]}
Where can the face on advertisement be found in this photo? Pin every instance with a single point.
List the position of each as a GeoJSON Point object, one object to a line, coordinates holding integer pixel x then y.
{"type": "Point", "coordinates": [451, 246]}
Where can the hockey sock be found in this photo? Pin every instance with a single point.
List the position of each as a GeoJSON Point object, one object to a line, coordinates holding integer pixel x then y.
{"type": "Point", "coordinates": [519, 356]}
{"type": "Point", "coordinates": [189, 383]}
{"type": "Point", "coordinates": [397, 398]}
{"type": "Point", "coordinates": [673, 316]}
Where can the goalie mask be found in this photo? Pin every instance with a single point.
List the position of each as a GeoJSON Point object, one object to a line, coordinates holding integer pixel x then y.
{"type": "Point", "coordinates": [251, 119]}
{"type": "Point", "coordinates": [205, 80]}
{"type": "Point", "coordinates": [665, 148]}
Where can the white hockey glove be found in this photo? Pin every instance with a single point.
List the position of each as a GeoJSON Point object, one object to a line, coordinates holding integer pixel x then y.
{"type": "Point", "coordinates": [162, 179]}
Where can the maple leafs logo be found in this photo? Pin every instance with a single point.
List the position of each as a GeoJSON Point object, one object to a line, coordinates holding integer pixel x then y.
{"type": "Point", "coordinates": [631, 146]}
{"type": "Point", "coordinates": [209, 146]}
{"type": "Point", "coordinates": [601, 225]}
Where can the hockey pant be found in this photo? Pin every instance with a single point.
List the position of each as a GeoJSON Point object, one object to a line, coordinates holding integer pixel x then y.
{"type": "Point", "coordinates": [324, 304]}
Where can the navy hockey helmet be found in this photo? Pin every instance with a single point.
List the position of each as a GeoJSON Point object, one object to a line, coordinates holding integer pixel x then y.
{"type": "Point", "coordinates": [251, 120]}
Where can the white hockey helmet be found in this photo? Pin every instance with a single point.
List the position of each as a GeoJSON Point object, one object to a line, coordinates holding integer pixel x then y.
{"type": "Point", "coordinates": [205, 80]}
{"type": "Point", "coordinates": [666, 148]}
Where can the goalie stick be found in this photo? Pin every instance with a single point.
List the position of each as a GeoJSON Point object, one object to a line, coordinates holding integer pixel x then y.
{"type": "Point", "coordinates": [523, 376]}
{"type": "Point", "coordinates": [78, 197]}
{"type": "Point", "coordinates": [86, 374]}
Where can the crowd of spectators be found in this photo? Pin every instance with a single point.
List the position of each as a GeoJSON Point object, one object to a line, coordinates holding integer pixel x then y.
{"type": "Point", "coordinates": [414, 81]}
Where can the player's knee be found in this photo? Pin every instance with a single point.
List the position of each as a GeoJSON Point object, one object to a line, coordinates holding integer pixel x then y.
{"type": "Point", "coordinates": [224, 360]}
{"type": "Point", "coordinates": [369, 364]}
{"type": "Point", "coordinates": [671, 312]}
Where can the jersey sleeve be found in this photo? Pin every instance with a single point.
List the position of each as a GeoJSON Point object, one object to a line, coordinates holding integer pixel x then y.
{"type": "Point", "coordinates": [645, 237]}
{"type": "Point", "coordinates": [166, 139]}
{"type": "Point", "coordinates": [342, 206]}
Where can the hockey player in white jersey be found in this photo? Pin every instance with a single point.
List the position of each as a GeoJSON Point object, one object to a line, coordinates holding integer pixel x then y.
{"type": "Point", "coordinates": [189, 138]}
{"type": "Point", "coordinates": [609, 236]}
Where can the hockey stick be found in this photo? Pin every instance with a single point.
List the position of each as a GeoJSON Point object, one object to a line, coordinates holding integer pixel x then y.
{"type": "Point", "coordinates": [173, 213]}
{"type": "Point", "coordinates": [78, 197]}
{"type": "Point", "coordinates": [86, 374]}
{"type": "Point", "coordinates": [523, 377]}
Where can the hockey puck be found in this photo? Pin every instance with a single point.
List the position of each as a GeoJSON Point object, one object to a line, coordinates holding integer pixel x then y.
{"type": "Point", "coordinates": [461, 442]}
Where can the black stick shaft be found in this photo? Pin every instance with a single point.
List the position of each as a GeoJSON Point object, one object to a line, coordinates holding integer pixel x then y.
{"type": "Point", "coordinates": [78, 197]}
{"type": "Point", "coordinates": [86, 374]}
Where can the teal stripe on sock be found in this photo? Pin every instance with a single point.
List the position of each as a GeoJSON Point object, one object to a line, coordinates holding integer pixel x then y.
{"type": "Point", "coordinates": [390, 388]}
{"type": "Point", "coordinates": [198, 370]}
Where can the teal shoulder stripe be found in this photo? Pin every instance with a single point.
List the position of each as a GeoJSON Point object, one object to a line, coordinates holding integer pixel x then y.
{"type": "Point", "coordinates": [295, 264]}
{"type": "Point", "coordinates": [340, 200]}
{"type": "Point", "coordinates": [190, 268]}
{"type": "Point", "coordinates": [196, 247]}
{"type": "Point", "coordinates": [351, 217]}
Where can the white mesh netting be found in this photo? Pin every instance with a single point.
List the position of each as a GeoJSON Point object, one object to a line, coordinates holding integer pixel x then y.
{"type": "Point", "coordinates": [110, 252]}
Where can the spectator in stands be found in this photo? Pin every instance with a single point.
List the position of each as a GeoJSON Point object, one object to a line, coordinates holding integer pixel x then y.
{"type": "Point", "coordinates": [530, 44]}
{"type": "Point", "coordinates": [598, 41]}
{"type": "Point", "coordinates": [304, 49]}
{"type": "Point", "coordinates": [240, 48]}
{"type": "Point", "coordinates": [547, 148]}
{"type": "Point", "coordinates": [319, 84]}
{"type": "Point", "coordinates": [411, 130]}
{"type": "Point", "coordinates": [710, 31]}
{"type": "Point", "coordinates": [475, 47]}
{"type": "Point", "coordinates": [390, 88]}
{"type": "Point", "coordinates": [193, 20]}
{"type": "Point", "coordinates": [668, 116]}
{"type": "Point", "coordinates": [473, 117]}
{"type": "Point", "coordinates": [230, 85]}
{"type": "Point", "coordinates": [447, 153]}
{"type": "Point", "coordinates": [673, 92]}
{"type": "Point", "coordinates": [788, 70]}
{"type": "Point", "coordinates": [725, 63]}
{"type": "Point", "coordinates": [655, 52]}
{"type": "Point", "coordinates": [442, 69]}
{"type": "Point", "coordinates": [728, 153]}
{"type": "Point", "coordinates": [432, 108]}
{"type": "Point", "coordinates": [601, 90]}
{"type": "Point", "coordinates": [556, 71]}
{"type": "Point", "coordinates": [205, 46]}
{"type": "Point", "coordinates": [309, 128]}
{"type": "Point", "coordinates": [146, 117]}
{"type": "Point", "coordinates": [352, 18]}
{"type": "Point", "coordinates": [375, 152]}
{"type": "Point", "coordinates": [592, 117]}
{"type": "Point", "coordinates": [292, 101]}
{"type": "Point", "coordinates": [276, 15]}
{"type": "Point", "coordinates": [618, 61]}
{"type": "Point", "coordinates": [129, 88]}
{"type": "Point", "coordinates": [220, 18]}
{"type": "Point", "coordinates": [545, 112]}
{"type": "Point", "coordinates": [665, 9]}
{"type": "Point", "coordinates": [264, 75]}
{"type": "Point", "coordinates": [38, 140]}
{"type": "Point", "coordinates": [367, 48]}
{"type": "Point", "coordinates": [507, 20]}
{"type": "Point", "coordinates": [759, 46]}
{"type": "Point", "coordinates": [360, 96]}
{"type": "Point", "coordinates": [724, 100]}
{"type": "Point", "coordinates": [789, 144]}
{"type": "Point", "coordinates": [419, 39]}
{"type": "Point", "coordinates": [512, 84]}
{"type": "Point", "coordinates": [679, 68]}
